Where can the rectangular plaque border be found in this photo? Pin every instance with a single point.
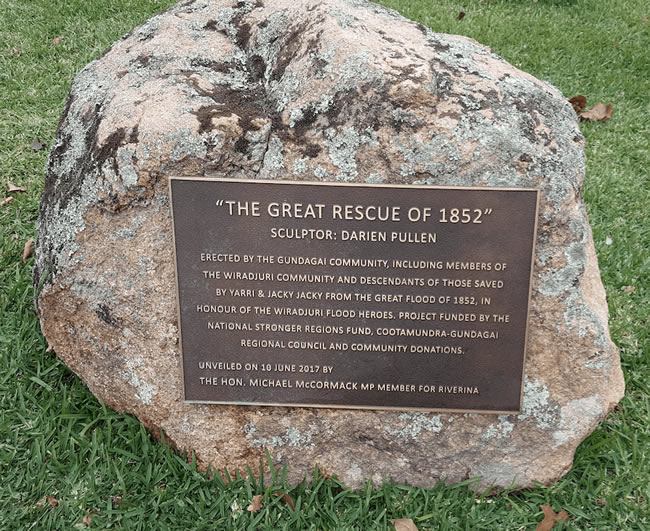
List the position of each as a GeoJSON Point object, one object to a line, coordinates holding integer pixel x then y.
{"type": "Point", "coordinates": [361, 185]}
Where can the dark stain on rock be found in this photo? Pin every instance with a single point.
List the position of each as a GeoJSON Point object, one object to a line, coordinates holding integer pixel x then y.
{"type": "Point", "coordinates": [61, 189]}
{"type": "Point", "coordinates": [435, 45]}
{"type": "Point", "coordinates": [104, 313]}
{"type": "Point", "coordinates": [133, 137]}
{"type": "Point", "coordinates": [366, 107]}
{"type": "Point", "coordinates": [241, 145]}
{"type": "Point", "coordinates": [319, 65]}
{"type": "Point", "coordinates": [224, 67]}
{"type": "Point", "coordinates": [290, 49]}
{"type": "Point", "coordinates": [423, 29]}
{"type": "Point", "coordinates": [243, 35]}
{"type": "Point", "coordinates": [525, 157]}
{"type": "Point", "coordinates": [204, 116]}
{"type": "Point", "coordinates": [109, 148]}
{"type": "Point", "coordinates": [59, 149]}
{"type": "Point", "coordinates": [245, 104]}
{"type": "Point", "coordinates": [66, 111]}
{"type": "Point", "coordinates": [385, 37]}
{"type": "Point", "coordinates": [491, 99]}
{"type": "Point", "coordinates": [256, 67]}
{"type": "Point", "coordinates": [311, 150]}
{"type": "Point", "coordinates": [211, 25]}
{"type": "Point", "coordinates": [303, 125]}
{"type": "Point", "coordinates": [243, 30]}
{"type": "Point", "coordinates": [411, 71]}
{"type": "Point", "coordinates": [527, 123]}
{"type": "Point", "coordinates": [144, 59]}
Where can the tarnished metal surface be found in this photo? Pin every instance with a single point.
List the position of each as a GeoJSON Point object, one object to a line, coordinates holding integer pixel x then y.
{"type": "Point", "coordinates": [353, 295]}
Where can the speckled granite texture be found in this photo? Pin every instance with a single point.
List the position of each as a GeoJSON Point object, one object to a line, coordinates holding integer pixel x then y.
{"type": "Point", "coordinates": [328, 91]}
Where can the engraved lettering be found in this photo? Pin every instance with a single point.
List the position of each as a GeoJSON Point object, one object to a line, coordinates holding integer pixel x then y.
{"type": "Point", "coordinates": [353, 295]}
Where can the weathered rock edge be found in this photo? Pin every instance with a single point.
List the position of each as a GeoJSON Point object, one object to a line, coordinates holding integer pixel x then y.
{"type": "Point", "coordinates": [332, 91]}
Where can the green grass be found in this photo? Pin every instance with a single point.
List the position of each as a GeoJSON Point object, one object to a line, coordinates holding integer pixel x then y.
{"type": "Point", "coordinates": [55, 438]}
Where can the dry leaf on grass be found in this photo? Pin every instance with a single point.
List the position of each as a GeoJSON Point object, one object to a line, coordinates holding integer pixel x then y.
{"type": "Point", "coordinates": [285, 498]}
{"type": "Point", "coordinates": [11, 187]}
{"type": "Point", "coordinates": [599, 113]}
{"type": "Point", "coordinates": [57, 40]}
{"type": "Point", "coordinates": [404, 524]}
{"type": "Point", "coordinates": [256, 504]}
{"type": "Point", "coordinates": [37, 145]}
{"type": "Point", "coordinates": [628, 289]}
{"type": "Point", "coordinates": [52, 501]}
{"type": "Point", "coordinates": [461, 15]}
{"type": "Point", "coordinates": [578, 102]}
{"type": "Point", "coordinates": [550, 518]}
{"type": "Point", "coordinates": [87, 520]}
{"type": "Point", "coordinates": [49, 500]}
{"type": "Point", "coordinates": [6, 201]}
{"type": "Point", "coordinates": [27, 251]}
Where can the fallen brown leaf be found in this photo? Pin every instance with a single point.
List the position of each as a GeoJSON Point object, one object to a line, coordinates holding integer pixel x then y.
{"type": "Point", "coordinates": [256, 504]}
{"type": "Point", "coordinates": [550, 518]}
{"type": "Point", "coordinates": [87, 520]}
{"type": "Point", "coordinates": [461, 15]}
{"type": "Point", "coordinates": [37, 145]}
{"type": "Point", "coordinates": [52, 501]}
{"type": "Point", "coordinates": [11, 187]}
{"type": "Point", "coordinates": [6, 201]}
{"type": "Point", "coordinates": [57, 40]}
{"type": "Point", "coordinates": [599, 113]}
{"type": "Point", "coordinates": [16, 52]}
{"type": "Point", "coordinates": [578, 102]}
{"type": "Point", "coordinates": [27, 251]}
{"type": "Point", "coordinates": [285, 498]}
{"type": "Point", "coordinates": [628, 289]}
{"type": "Point", "coordinates": [404, 524]}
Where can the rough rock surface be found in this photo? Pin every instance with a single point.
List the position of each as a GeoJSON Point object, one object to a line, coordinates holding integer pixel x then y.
{"type": "Point", "coordinates": [305, 90]}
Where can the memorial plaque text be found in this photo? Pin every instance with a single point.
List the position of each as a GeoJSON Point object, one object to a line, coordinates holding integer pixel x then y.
{"type": "Point", "coordinates": [355, 296]}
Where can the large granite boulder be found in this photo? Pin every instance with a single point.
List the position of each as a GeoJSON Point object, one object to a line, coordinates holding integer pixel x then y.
{"type": "Point", "coordinates": [337, 90]}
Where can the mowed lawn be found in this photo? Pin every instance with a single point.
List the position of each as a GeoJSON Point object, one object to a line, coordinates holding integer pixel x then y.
{"type": "Point", "coordinates": [67, 461]}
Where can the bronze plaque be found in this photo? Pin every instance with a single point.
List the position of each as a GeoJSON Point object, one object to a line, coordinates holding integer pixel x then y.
{"type": "Point", "coordinates": [350, 295]}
